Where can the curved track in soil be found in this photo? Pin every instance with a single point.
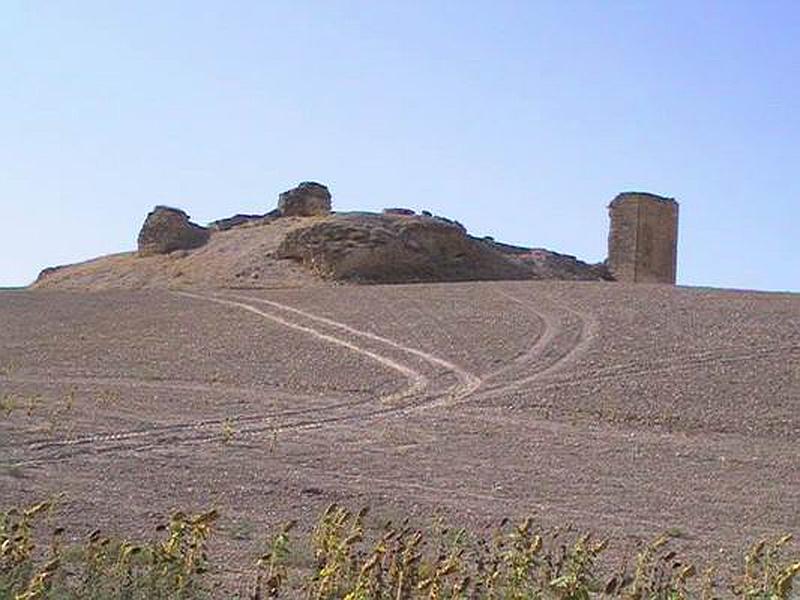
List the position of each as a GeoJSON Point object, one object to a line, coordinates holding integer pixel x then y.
{"type": "Point", "coordinates": [567, 342]}
{"type": "Point", "coordinates": [568, 334]}
{"type": "Point", "coordinates": [417, 394]}
{"type": "Point", "coordinates": [630, 408]}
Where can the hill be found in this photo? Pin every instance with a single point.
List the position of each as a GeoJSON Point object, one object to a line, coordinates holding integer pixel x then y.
{"type": "Point", "coordinates": [223, 365]}
{"type": "Point", "coordinates": [303, 242]}
{"type": "Point", "coordinates": [629, 409]}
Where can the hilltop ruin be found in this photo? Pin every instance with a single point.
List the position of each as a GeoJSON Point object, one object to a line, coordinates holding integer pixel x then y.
{"type": "Point", "coordinates": [303, 241]}
{"type": "Point", "coordinates": [643, 238]}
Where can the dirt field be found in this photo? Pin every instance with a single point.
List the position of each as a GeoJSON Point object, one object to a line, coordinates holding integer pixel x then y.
{"type": "Point", "coordinates": [627, 409]}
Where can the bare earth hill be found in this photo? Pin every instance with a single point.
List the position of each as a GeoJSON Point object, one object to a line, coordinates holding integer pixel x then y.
{"type": "Point", "coordinates": [227, 366]}
{"type": "Point", "coordinates": [626, 408]}
{"type": "Point", "coordinates": [302, 242]}
{"type": "Point", "coordinates": [293, 251]}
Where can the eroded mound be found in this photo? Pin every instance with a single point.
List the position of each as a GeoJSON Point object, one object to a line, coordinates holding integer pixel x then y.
{"type": "Point", "coordinates": [399, 247]}
{"type": "Point", "coordinates": [302, 242]}
{"type": "Point", "coordinates": [393, 248]}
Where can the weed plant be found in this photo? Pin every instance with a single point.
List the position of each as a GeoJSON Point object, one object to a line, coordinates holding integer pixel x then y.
{"type": "Point", "coordinates": [394, 562]}
{"type": "Point", "coordinates": [100, 568]}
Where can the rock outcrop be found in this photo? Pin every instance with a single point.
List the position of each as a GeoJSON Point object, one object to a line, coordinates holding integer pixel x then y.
{"type": "Point", "coordinates": [391, 248]}
{"type": "Point", "coordinates": [548, 264]}
{"type": "Point", "coordinates": [309, 199]}
{"type": "Point", "coordinates": [239, 219]}
{"type": "Point", "coordinates": [168, 229]}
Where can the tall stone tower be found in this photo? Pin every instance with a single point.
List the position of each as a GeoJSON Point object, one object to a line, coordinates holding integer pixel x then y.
{"type": "Point", "coordinates": [643, 238]}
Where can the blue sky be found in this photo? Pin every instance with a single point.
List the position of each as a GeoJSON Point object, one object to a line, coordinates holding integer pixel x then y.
{"type": "Point", "coordinates": [520, 119]}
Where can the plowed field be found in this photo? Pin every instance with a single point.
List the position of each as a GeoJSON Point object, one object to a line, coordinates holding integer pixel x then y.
{"type": "Point", "coordinates": [625, 409]}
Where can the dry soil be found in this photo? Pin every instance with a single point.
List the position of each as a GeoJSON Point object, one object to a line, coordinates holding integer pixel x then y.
{"type": "Point", "coordinates": [628, 409]}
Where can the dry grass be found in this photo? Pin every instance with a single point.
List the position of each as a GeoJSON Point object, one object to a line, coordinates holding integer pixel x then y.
{"type": "Point", "coordinates": [394, 562]}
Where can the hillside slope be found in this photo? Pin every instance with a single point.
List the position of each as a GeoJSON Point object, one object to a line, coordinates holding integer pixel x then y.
{"type": "Point", "coordinates": [242, 256]}
{"type": "Point", "coordinates": [629, 409]}
{"type": "Point", "coordinates": [303, 242]}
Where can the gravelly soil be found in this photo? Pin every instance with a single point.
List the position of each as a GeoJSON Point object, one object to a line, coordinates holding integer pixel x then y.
{"type": "Point", "coordinates": [627, 409]}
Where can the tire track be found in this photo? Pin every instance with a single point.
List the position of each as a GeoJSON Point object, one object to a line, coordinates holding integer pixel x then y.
{"type": "Point", "coordinates": [417, 379]}
{"type": "Point", "coordinates": [417, 382]}
{"type": "Point", "coordinates": [685, 363]}
{"type": "Point", "coordinates": [550, 329]}
{"type": "Point", "coordinates": [397, 402]}
{"type": "Point", "coordinates": [577, 344]}
{"type": "Point", "coordinates": [200, 425]}
{"type": "Point", "coordinates": [588, 333]}
{"type": "Point", "coordinates": [531, 359]}
{"type": "Point", "coordinates": [467, 380]}
{"type": "Point", "coordinates": [152, 383]}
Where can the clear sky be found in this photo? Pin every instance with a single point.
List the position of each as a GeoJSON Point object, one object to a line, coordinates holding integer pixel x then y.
{"type": "Point", "coordinates": [520, 119]}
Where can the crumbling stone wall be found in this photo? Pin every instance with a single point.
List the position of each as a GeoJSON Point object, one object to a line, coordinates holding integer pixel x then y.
{"type": "Point", "coordinates": [643, 238]}
{"type": "Point", "coordinates": [168, 229]}
{"type": "Point", "coordinates": [309, 199]}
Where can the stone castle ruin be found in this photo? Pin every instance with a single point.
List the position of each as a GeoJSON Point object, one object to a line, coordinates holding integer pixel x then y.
{"type": "Point", "coordinates": [304, 238]}
{"type": "Point", "coordinates": [643, 238]}
{"type": "Point", "coordinates": [642, 241]}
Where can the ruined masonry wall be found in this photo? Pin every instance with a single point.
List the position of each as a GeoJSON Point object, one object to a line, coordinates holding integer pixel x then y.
{"type": "Point", "coordinates": [643, 238]}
